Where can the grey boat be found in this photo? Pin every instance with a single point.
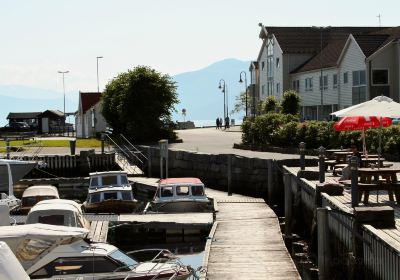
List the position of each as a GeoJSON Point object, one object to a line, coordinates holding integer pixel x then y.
{"type": "Point", "coordinates": [19, 168]}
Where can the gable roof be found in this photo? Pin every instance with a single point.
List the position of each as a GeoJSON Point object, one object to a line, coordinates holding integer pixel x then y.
{"type": "Point", "coordinates": [89, 99]}
{"type": "Point", "coordinates": [297, 40]}
{"type": "Point", "coordinates": [23, 115]}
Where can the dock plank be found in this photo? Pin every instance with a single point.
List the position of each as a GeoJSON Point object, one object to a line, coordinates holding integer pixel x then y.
{"type": "Point", "coordinates": [247, 243]}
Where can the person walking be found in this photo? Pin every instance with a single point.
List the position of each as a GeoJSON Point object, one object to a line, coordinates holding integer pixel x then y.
{"type": "Point", "coordinates": [217, 123]}
{"type": "Point", "coordinates": [220, 123]}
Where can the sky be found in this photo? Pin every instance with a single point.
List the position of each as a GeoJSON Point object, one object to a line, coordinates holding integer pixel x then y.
{"type": "Point", "coordinates": [41, 37]}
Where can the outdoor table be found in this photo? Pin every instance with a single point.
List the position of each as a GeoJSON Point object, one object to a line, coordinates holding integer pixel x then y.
{"type": "Point", "coordinates": [365, 162]}
{"type": "Point", "coordinates": [341, 157]}
{"type": "Point", "coordinates": [388, 174]}
{"type": "Point", "coordinates": [330, 152]}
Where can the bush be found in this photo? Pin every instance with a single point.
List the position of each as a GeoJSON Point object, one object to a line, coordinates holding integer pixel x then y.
{"type": "Point", "coordinates": [290, 102]}
{"type": "Point", "coordinates": [271, 104]}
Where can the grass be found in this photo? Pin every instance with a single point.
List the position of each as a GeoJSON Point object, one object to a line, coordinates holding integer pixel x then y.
{"type": "Point", "coordinates": [80, 143]}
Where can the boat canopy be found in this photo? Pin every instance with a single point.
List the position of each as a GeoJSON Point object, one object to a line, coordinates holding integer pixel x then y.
{"type": "Point", "coordinates": [178, 181]}
{"type": "Point", "coordinates": [41, 190]}
{"type": "Point", "coordinates": [57, 204]}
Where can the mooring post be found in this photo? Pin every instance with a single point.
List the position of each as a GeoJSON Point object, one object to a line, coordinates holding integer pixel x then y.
{"type": "Point", "coordinates": [163, 155]}
{"type": "Point", "coordinates": [302, 150]}
{"type": "Point", "coordinates": [323, 244]}
{"type": "Point", "coordinates": [229, 170]}
{"type": "Point", "coordinates": [354, 181]}
{"type": "Point", "coordinates": [8, 148]}
{"type": "Point", "coordinates": [321, 158]}
{"type": "Point", "coordinates": [287, 181]}
{"type": "Point", "coordinates": [149, 161]}
{"type": "Point", "coordinates": [102, 143]}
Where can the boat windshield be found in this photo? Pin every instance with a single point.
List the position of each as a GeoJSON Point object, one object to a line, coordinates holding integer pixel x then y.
{"type": "Point", "coordinates": [123, 258]}
{"type": "Point", "coordinates": [94, 182]}
{"type": "Point", "coordinates": [197, 190]}
{"type": "Point", "coordinates": [126, 195]}
{"type": "Point", "coordinates": [124, 180]}
{"type": "Point", "coordinates": [111, 180]}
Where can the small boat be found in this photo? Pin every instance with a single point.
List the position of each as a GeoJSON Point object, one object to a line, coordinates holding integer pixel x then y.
{"type": "Point", "coordinates": [110, 192]}
{"type": "Point", "coordinates": [34, 194]}
{"type": "Point", "coordinates": [180, 195]}
{"type": "Point", "coordinates": [60, 212]}
{"type": "Point", "coordinates": [58, 252]}
{"type": "Point", "coordinates": [18, 168]}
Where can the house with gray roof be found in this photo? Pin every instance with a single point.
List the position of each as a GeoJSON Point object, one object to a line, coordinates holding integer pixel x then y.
{"type": "Point", "coordinates": [335, 67]}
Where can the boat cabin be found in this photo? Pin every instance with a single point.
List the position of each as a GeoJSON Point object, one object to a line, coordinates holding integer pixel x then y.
{"type": "Point", "coordinates": [60, 212]}
{"type": "Point", "coordinates": [180, 188]}
{"type": "Point", "coordinates": [34, 194]}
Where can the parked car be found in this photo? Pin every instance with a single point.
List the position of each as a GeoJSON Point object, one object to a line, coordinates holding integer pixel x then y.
{"type": "Point", "coordinates": [15, 127]}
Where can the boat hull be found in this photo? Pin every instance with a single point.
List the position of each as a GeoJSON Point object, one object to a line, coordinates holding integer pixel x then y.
{"type": "Point", "coordinates": [18, 169]}
{"type": "Point", "coordinates": [181, 206]}
{"type": "Point", "coordinates": [111, 206]}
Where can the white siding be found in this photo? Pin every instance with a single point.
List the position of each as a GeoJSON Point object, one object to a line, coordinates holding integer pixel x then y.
{"type": "Point", "coordinates": [387, 60]}
{"type": "Point", "coordinates": [291, 62]}
{"type": "Point", "coordinates": [353, 60]}
{"type": "Point", "coordinates": [278, 71]}
{"type": "Point", "coordinates": [263, 72]}
{"type": "Point", "coordinates": [312, 98]}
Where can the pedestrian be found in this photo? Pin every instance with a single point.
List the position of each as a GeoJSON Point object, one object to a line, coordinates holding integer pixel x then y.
{"type": "Point", "coordinates": [217, 123]}
{"type": "Point", "coordinates": [220, 123]}
{"type": "Point", "coordinates": [226, 122]}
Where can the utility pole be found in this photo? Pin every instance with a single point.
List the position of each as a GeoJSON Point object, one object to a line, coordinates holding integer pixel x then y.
{"type": "Point", "coordinates": [97, 59]}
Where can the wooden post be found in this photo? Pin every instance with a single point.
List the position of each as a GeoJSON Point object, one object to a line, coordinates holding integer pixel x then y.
{"type": "Point", "coordinates": [354, 181]}
{"type": "Point", "coordinates": [302, 149]}
{"type": "Point", "coordinates": [229, 170]}
{"type": "Point", "coordinates": [321, 158]}
{"type": "Point", "coordinates": [323, 244]}
{"type": "Point", "coordinates": [288, 207]}
{"type": "Point", "coordinates": [8, 148]}
{"type": "Point", "coordinates": [102, 143]}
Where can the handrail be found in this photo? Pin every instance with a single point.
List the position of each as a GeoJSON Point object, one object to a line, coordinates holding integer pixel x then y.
{"type": "Point", "coordinates": [133, 146]}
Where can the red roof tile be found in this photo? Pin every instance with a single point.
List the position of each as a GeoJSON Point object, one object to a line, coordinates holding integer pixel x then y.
{"type": "Point", "coordinates": [89, 99]}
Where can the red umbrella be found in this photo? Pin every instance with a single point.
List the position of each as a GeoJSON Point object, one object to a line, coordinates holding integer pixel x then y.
{"type": "Point", "coordinates": [360, 123]}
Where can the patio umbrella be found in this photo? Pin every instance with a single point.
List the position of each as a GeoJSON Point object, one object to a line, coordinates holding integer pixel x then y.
{"type": "Point", "coordinates": [380, 106]}
{"type": "Point", "coordinates": [361, 123]}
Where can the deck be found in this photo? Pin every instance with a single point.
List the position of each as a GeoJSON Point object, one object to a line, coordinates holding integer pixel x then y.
{"type": "Point", "coordinates": [246, 241]}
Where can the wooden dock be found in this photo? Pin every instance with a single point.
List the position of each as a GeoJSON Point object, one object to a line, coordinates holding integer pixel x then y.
{"type": "Point", "coordinates": [98, 231]}
{"type": "Point", "coordinates": [246, 241]}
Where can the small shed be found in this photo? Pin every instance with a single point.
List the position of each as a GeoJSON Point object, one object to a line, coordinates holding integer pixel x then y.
{"type": "Point", "coordinates": [51, 121]}
{"type": "Point", "coordinates": [31, 118]}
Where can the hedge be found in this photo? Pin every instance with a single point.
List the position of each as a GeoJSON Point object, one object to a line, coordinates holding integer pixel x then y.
{"type": "Point", "coordinates": [285, 130]}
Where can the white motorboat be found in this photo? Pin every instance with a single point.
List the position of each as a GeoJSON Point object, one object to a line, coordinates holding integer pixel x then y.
{"type": "Point", "coordinates": [58, 252]}
{"type": "Point", "coordinates": [34, 194]}
{"type": "Point", "coordinates": [110, 192]}
{"type": "Point", "coordinates": [19, 168]}
{"type": "Point", "coordinates": [61, 212]}
{"type": "Point", "coordinates": [8, 199]}
{"type": "Point", "coordinates": [180, 195]}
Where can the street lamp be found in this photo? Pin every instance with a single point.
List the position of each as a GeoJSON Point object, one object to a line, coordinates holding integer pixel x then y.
{"type": "Point", "coordinates": [63, 73]}
{"type": "Point", "coordinates": [97, 59]}
{"type": "Point", "coordinates": [222, 88]}
{"type": "Point", "coordinates": [245, 84]}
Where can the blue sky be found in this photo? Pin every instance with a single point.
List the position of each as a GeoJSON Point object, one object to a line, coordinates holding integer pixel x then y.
{"type": "Point", "coordinates": [40, 37]}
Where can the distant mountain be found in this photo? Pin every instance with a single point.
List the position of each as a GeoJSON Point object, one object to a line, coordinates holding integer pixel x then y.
{"type": "Point", "coordinates": [199, 93]}
{"type": "Point", "coordinates": [18, 98]}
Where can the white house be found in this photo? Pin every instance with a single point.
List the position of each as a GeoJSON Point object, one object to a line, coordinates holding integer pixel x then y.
{"type": "Point", "coordinates": [355, 63]}
{"type": "Point", "coordinates": [89, 119]}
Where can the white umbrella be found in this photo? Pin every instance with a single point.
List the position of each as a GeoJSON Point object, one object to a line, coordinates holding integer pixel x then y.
{"type": "Point", "coordinates": [380, 106]}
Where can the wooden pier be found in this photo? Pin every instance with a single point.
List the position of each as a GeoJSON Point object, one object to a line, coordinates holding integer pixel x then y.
{"type": "Point", "coordinates": [246, 241]}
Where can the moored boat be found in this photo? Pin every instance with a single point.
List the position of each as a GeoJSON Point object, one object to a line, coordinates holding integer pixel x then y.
{"type": "Point", "coordinates": [110, 192]}
{"type": "Point", "coordinates": [180, 195]}
{"type": "Point", "coordinates": [34, 194]}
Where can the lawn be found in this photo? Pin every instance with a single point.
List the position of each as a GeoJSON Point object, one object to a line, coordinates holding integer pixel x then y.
{"type": "Point", "coordinates": [80, 143]}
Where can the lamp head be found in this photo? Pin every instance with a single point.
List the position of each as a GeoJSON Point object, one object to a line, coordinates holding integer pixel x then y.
{"type": "Point", "coordinates": [240, 81]}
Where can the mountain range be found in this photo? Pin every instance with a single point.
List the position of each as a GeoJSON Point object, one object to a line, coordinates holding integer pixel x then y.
{"type": "Point", "coordinates": [198, 94]}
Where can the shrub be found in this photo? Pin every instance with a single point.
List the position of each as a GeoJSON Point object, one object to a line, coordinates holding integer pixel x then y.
{"type": "Point", "coordinates": [290, 102]}
{"type": "Point", "coordinates": [271, 104]}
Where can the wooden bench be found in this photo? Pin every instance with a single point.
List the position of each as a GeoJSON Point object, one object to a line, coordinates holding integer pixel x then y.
{"type": "Point", "coordinates": [365, 188]}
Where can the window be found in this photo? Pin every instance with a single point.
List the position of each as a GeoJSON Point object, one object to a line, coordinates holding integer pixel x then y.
{"type": "Point", "coordinates": [182, 190]}
{"type": "Point", "coordinates": [278, 88]}
{"type": "Point", "coordinates": [109, 180]}
{"type": "Point", "coordinates": [94, 182]}
{"type": "Point", "coordinates": [167, 192]}
{"type": "Point", "coordinates": [95, 197]}
{"type": "Point", "coordinates": [126, 195]}
{"type": "Point", "coordinates": [124, 180]}
{"type": "Point", "coordinates": [75, 265]}
{"type": "Point", "coordinates": [57, 220]}
{"type": "Point", "coordinates": [380, 77]}
{"type": "Point", "coordinates": [270, 88]}
{"type": "Point", "coordinates": [197, 190]}
{"type": "Point", "coordinates": [270, 47]}
{"type": "Point", "coordinates": [325, 82]}
{"type": "Point", "coordinates": [358, 95]}
{"type": "Point", "coordinates": [345, 77]}
{"type": "Point", "coordinates": [309, 84]}
{"type": "Point", "coordinates": [296, 85]}
{"type": "Point", "coordinates": [359, 78]}
{"type": "Point", "coordinates": [262, 65]}
{"type": "Point", "coordinates": [270, 67]}
{"type": "Point", "coordinates": [277, 62]}
{"type": "Point", "coordinates": [262, 90]}
{"type": "Point", "coordinates": [335, 81]}
{"type": "Point", "coordinates": [110, 195]}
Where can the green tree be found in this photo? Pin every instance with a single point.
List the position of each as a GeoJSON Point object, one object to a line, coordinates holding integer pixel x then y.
{"type": "Point", "coordinates": [290, 102]}
{"type": "Point", "coordinates": [138, 103]}
{"type": "Point", "coordinates": [271, 104]}
{"type": "Point", "coordinates": [240, 102]}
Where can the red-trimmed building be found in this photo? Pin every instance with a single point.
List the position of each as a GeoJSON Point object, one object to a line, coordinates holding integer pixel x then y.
{"type": "Point", "coordinates": [89, 119]}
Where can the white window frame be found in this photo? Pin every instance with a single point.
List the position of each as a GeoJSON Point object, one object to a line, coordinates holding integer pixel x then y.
{"type": "Point", "coordinates": [335, 85]}
{"type": "Point", "coordinates": [372, 77]}
{"type": "Point", "coordinates": [310, 84]}
{"type": "Point", "coordinates": [346, 80]}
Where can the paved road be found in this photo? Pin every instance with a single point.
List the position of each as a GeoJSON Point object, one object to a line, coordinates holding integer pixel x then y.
{"type": "Point", "coordinates": [213, 141]}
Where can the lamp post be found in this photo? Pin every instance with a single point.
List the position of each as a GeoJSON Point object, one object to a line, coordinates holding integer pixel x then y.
{"type": "Point", "coordinates": [222, 88]}
{"type": "Point", "coordinates": [63, 78]}
{"type": "Point", "coordinates": [245, 84]}
{"type": "Point", "coordinates": [97, 60]}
